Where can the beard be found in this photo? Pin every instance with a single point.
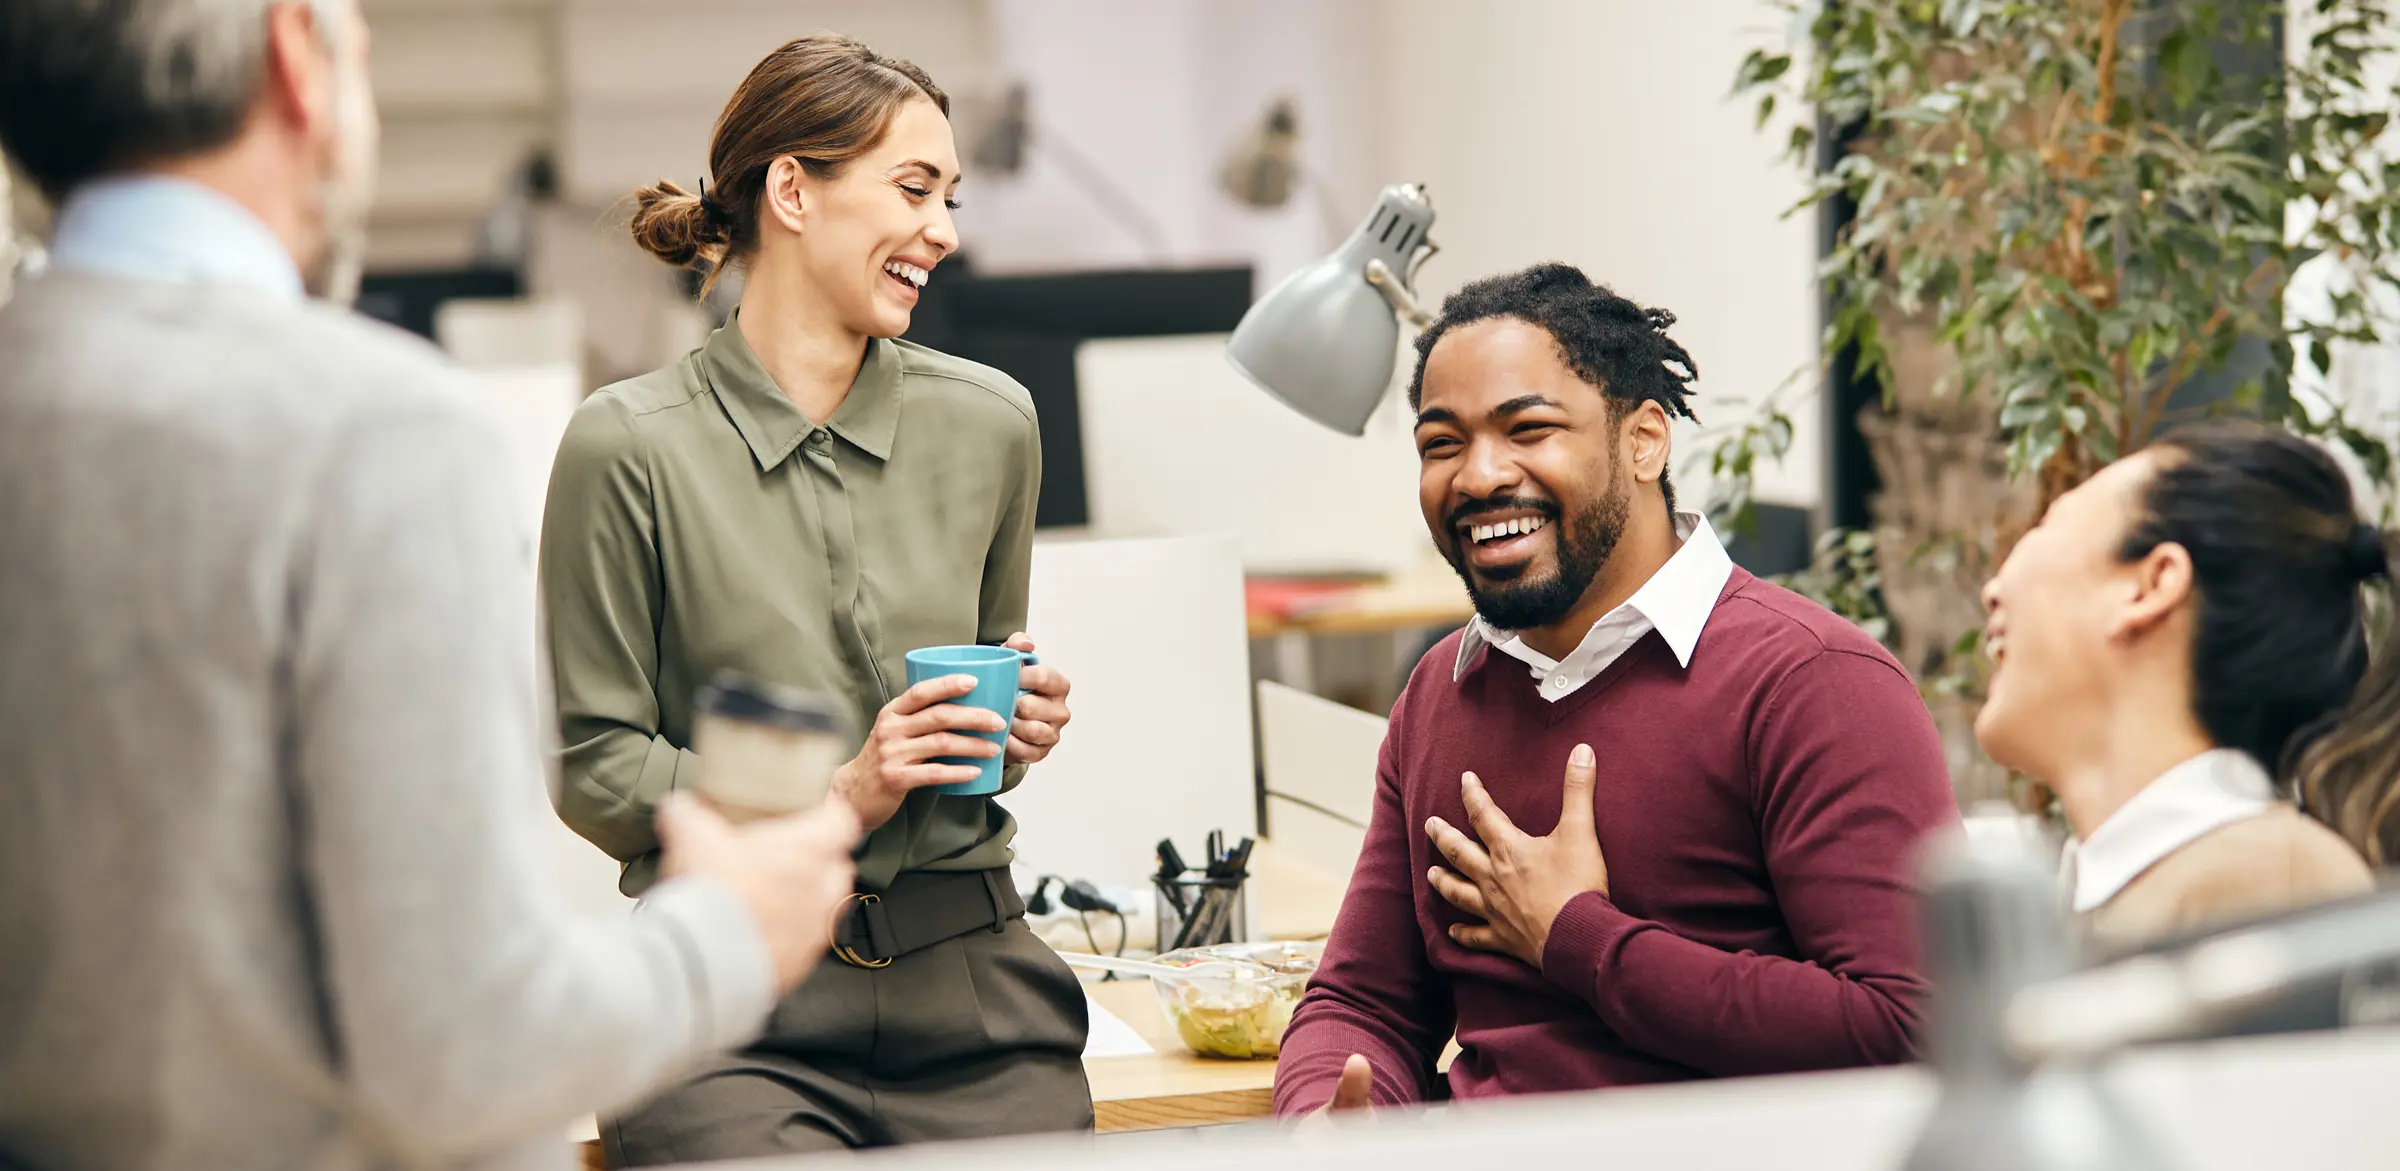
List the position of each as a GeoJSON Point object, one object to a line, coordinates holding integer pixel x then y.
{"type": "Point", "coordinates": [339, 269]}
{"type": "Point", "coordinates": [1511, 599]}
{"type": "Point", "coordinates": [345, 195]}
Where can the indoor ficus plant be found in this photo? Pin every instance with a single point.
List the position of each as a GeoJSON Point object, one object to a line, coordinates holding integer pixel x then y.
{"type": "Point", "coordinates": [2073, 223]}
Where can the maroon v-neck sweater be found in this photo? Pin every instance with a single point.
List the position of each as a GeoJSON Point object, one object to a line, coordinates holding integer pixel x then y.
{"type": "Point", "coordinates": [1760, 812]}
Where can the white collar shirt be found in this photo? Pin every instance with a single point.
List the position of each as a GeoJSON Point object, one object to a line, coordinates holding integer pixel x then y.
{"type": "Point", "coordinates": [1676, 602]}
{"type": "Point", "coordinates": [2209, 791]}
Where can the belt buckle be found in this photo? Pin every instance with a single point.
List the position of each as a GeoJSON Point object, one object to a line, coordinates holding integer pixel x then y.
{"type": "Point", "coordinates": [856, 901]}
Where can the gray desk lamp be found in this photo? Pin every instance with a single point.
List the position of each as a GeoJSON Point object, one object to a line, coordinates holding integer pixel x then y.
{"type": "Point", "coordinates": [1325, 340]}
{"type": "Point", "coordinates": [2019, 1035]}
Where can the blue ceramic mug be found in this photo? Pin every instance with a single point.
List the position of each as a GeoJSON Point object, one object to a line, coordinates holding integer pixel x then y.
{"type": "Point", "coordinates": [995, 669]}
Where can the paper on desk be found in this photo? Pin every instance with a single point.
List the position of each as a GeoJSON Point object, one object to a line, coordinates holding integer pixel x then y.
{"type": "Point", "coordinates": [1110, 1036]}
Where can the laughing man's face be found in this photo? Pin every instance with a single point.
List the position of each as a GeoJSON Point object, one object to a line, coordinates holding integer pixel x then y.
{"type": "Point", "coordinates": [1519, 475]}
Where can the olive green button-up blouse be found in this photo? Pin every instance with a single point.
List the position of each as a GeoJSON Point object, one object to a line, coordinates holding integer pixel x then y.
{"type": "Point", "coordinates": [698, 521]}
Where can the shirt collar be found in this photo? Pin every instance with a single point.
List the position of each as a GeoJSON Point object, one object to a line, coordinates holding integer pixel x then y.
{"type": "Point", "coordinates": [162, 228]}
{"type": "Point", "coordinates": [2213, 789]}
{"type": "Point", "coordinates": [770, 422]}
{"type": "Point", "coordinates": [1676, 601]}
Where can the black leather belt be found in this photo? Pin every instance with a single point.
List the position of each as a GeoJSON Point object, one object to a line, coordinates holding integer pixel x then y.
{"type": "Point", "coordinates": [923, 908]}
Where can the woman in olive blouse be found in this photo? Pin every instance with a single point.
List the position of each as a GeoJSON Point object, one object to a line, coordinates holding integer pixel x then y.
{"type": "Point", "coordinates": [805, 499]}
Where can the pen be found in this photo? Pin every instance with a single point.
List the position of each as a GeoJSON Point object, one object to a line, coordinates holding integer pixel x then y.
{"type": "Point", "coordinates": [1171, 868]}
{"type": "Point", "coordinates": [1237, 864]}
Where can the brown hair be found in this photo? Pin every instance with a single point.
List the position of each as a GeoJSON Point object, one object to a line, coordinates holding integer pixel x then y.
{"type": "Point", "coordinates": [823, 99]}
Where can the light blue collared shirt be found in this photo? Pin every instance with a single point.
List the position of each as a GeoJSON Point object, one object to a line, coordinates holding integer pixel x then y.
{"type": "Point", "coordinates": [158, 228]}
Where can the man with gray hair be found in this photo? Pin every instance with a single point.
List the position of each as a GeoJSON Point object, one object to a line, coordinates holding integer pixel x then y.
{"type": "Point", "coordinates": [271, 890]}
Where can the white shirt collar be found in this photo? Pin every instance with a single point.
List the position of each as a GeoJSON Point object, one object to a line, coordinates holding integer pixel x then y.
{"type": "Point", "coordinates": [161, 228]}
{"type": "Point", "coordinates": [1676, 602]}
{"type": "Point", "coordinates": [2213, 789]}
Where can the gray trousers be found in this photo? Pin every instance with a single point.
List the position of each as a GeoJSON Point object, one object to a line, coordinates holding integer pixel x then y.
{"type": "Point", "coordinates": [974, 1037]}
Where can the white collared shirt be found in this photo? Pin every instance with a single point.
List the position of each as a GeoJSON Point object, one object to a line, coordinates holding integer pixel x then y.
{"type": "Point", "coordinates": [1676, 602]}
{"type": "Point", "coordinates": [2209, 791]}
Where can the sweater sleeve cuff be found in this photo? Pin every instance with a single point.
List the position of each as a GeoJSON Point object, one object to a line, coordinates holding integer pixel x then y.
{"type": "Point", "coordinates": [1308, 1073]}
{"type": "Point", "coordinates": [1583, 940]}
{"type": "Point", "coordinates": [725, 958]}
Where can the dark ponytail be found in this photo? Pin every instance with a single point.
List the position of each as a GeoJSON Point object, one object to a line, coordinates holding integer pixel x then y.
{"type": "Point", "coordinates": [2279, 658]}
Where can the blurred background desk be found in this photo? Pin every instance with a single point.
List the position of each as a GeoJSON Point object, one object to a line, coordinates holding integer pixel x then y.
{"type": "Point", "coordinates": [1409, 609]}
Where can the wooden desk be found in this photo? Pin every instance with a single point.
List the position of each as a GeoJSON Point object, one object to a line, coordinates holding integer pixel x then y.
{"type": "Point", "coordinates": [1420, 599]}
{"type": "Point", "coordinates": [1169, 1088]}
{"type": "Point", "coordinates": [1402, 607]}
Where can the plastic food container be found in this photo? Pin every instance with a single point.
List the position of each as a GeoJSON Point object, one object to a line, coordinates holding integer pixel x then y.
{"type": "Point", "coordinates": [1238, 998]}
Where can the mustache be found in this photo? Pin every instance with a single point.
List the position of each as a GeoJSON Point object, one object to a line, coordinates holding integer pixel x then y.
{"type": "Point", "coordinates": [1465, 513]}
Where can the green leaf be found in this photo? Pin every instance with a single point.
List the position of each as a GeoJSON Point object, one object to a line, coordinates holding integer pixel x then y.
{"type": "Point", "coordinates": [1759, 68]}
{"type": "Point", "coordinates": [1766, 110]}
{"type": "Point", "coordinates": [2025, 413]}
{"type": "Point", "coordinates": [1964, 15]}
{"type": "Point", "coordinates": [2184, 64]}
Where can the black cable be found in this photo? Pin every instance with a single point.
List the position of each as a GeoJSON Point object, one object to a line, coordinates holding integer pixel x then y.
{"type": "Point", "coordinates": [1085, 917]}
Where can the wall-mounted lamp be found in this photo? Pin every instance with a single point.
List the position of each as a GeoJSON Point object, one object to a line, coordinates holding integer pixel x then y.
{"type": "Point", "coordinates": [1015, 135]}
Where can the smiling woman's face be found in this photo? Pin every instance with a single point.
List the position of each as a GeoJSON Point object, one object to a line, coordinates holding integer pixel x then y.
{"type": "Point", "coordinates": [2054, 610]}
{"type": "Point", "coordinates": [870, 236]}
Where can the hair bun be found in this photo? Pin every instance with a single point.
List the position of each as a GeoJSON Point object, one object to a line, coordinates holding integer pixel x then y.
{"type": "Point", "coordinates": [2366, 553]}
{"type": "Point", "coordinates": [679, 227]}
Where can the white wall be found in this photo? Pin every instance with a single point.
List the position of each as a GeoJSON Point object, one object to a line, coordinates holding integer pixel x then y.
{"type": "Point", "coordinates": [1599, 132]}
{"type": "Point", "coordinates": [643, 81]}
{"type": "Point", "coordinates": [466, 90]}
{"type": "Point", "coordinates": [1176, 442]}
{"type": "Point", "coordinates": [1154, 94]}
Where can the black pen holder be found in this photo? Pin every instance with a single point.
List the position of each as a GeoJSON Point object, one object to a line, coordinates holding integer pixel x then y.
{"type": "Point", "coordinates": [1210, 911]}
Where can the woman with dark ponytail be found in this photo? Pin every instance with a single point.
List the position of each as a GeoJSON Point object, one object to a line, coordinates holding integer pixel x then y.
{"type": "Point", "coordinates": [804, 500]}
{"type": "Point", "coordinates": [2179, 650]}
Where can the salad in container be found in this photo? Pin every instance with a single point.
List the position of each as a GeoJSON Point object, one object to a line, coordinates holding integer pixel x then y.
{"type": "Point", "coordinates": [1235, 1000]}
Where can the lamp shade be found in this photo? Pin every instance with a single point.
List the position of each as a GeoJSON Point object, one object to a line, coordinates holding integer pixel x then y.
{"type": "Point", "coordinates": [1323, 341]}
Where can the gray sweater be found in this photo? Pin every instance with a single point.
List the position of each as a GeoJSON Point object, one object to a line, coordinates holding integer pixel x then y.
{"type": "Point", "coordinates": [271, 886]}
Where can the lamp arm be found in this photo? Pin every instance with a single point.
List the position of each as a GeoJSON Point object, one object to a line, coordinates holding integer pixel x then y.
{"type": "Point", "coordinates": [1111, 199]}
{"type": "Point", "coordinates": [1396, 294]}
{"type": "Point", "coordinates": [2176, 994]}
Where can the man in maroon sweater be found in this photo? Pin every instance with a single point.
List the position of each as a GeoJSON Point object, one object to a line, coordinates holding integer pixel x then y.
{"type": "Point", "coordinates": [1722, 884]}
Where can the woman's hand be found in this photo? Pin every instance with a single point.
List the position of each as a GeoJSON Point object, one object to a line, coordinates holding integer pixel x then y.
{"type": "Point", "coordinates": [898, 757]}
{"type": "Point", "coordinates": [1042, 713]}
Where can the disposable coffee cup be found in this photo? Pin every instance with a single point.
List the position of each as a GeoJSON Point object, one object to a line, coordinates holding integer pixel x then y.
{"type": "Point", "coordinates": [765, 750]}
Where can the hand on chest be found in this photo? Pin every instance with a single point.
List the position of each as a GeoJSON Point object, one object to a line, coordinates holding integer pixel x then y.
{"type": "Point", "coordinates": [1668, 828]}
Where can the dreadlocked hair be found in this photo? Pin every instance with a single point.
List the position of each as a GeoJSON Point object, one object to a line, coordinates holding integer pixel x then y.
{"type": "Point", "coordinates": [1608, 341]}
{"type": "Point", "coordinates": [1618, 346]}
